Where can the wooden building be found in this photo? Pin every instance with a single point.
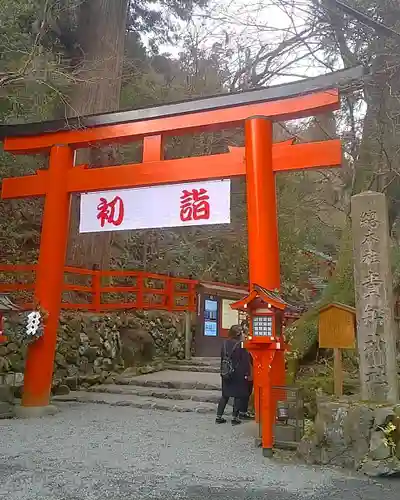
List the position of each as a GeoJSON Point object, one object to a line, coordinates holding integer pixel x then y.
{"type": "Point", "coordinates": [214, 316]}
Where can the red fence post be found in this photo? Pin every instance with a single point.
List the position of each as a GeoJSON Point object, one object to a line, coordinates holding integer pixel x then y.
{"type": "Point", "coordinates": [170, 293]}
{"type": "Point", "coordinates": [96, 287]}
{"type": "Point", "coordinates": [139, 293]}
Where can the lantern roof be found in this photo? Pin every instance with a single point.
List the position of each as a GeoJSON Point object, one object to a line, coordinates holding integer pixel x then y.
{"type": "Point", "coordinates": [259, 297]}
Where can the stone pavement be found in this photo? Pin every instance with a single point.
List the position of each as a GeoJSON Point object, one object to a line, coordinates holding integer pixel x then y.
{"type": "Point", "coordinates": [98, 452]}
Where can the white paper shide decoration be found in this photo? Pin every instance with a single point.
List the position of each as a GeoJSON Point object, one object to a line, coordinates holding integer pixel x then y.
{"type": "Point", "coordinates": [25, 327]}
{"type": "Point", "coordinates": [33, 324]}
{"type": "Point", "coordinates": [172, 205]}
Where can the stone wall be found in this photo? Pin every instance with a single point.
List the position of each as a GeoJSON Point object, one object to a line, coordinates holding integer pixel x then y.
{"type": "Point", "coordinates": [92, 347]}
{"type": "Point", "coordinates": [356, 435]}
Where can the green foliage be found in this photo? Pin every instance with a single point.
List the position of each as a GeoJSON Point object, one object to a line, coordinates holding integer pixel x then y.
{"type": "Point", "coordinates": [341, 286]}
{"type": "Point", "coordinates": [304, 333]}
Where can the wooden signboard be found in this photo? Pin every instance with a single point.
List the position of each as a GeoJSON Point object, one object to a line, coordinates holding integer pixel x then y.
{"type": "Point", "coordinates": [337, 327]}
{"type": "Point", "coordinates": [337, 330]}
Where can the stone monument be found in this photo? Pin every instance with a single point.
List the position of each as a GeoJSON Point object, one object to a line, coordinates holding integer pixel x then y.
{"type": "Point", "coordinates": [376, 333]}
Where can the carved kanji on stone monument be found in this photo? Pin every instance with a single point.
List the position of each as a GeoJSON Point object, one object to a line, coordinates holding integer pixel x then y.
{"type": "Point", "coordinates": [374, 298]}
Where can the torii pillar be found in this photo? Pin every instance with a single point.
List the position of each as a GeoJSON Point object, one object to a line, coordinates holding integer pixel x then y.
{"type": "Point", "coordinates": [263, 239]}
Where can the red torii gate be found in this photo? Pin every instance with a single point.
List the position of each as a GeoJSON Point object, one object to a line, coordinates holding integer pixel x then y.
{"type": "Point", "coordinates": [60, 139]}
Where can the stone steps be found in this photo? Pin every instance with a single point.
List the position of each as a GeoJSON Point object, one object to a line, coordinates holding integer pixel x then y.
{"type": "Point", "coordinates": [186, 386]}
{"type": "Point", "coordinates": [134, 401]}
{"type": "Point", "coordinates": [173, 379]}
{"type": "Point", "coordinates": [202, 396]}
{"type": "Point", "coordinates": [169, 384]}
{"type": "Point", "coordinates": [193, 368]}
{"type": "Point", "coordinates": [195, 362]}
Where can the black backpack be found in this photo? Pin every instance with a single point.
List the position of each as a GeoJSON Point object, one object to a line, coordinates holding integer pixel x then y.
{"type": "Point", "coordinates": [227, 368]}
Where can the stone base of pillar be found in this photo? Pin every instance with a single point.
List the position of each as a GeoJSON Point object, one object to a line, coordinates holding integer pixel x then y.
{"type": "Point", "coordinates": [35, 411]}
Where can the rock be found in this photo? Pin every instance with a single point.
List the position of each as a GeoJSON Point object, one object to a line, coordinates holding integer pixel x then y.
{"type": "Point", "coordinates": [381, 468]}
{"type": "Point", "coordinates": [62, 390]}
{"type": "Point", "coordinates": [75, 325]}
{"type": "Point", "coordinates": [6, 394]}
{"type": "Point", "coordinates": [83, 364]}
{"type": "Point", "coordinates": [140, 314]}
{"type": "Point", "coordinates": [72, 383]}
{"type": "Point", "coordinates": [92, 379]}
{"type": "Point", "coordinates": [357, 429]}
{"type": "Point", "coordinates": [60, 360]}
{"type": "Point", "coordinates": [397, 451]}
{"type": "Point", "coordinates": [72, 357]}
{"type": "Point", "coordinates": [12, 347]}
{"type": "Point", "coordinates": [382, 416]}
{"type": "Point", "coordinates": [378, 448]}
{"type": "Point", "coordinates": [4, 365]}
{"type": "Point", "coordinates": [306, 450]}
{"type": "Point", "coordinates": [174, 347]}
{"type": "Point", "coordinates": [98, 362]}
{"type": "Point", "coordinates": [109, 349]}
{"type": "Point", "coordinates": [16, 362]}
{"type": "Point", "coordinates": [84, 338]}
{"type": "Point", "coordinates": [63, 348]}
{"type": "Point", "coordinates": [136, 346]}
{"type": "Point", "coordinates": [341, 434]}
{"type": "Point", "coordinates": [3, 350]}
{"type": "Point", "coordinates": [91, 353]}
{"type": "Point", "coordinates": [72, 371]}
{"type": "Point", "coordinates": [62, 373]}
{"type": "Point", "coordinates": [107, 364]}
{"type": "Point", "coordinates": [6, 410]}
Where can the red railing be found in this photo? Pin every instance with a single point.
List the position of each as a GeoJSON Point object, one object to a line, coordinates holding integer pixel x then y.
{"type": "Point", "coordinates": [92, 290]}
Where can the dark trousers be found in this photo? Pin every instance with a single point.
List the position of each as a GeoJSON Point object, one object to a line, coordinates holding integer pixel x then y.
{"type": "Point", "coordinates": [245, 401]}
{"type": "Point", "coordinates": [237, 404]}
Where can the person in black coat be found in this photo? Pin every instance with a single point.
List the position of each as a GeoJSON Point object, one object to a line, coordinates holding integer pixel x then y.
{"type": "Point", "coordinates": [236, 386]}
{"type": "Point", "coordinates": [244, 411]}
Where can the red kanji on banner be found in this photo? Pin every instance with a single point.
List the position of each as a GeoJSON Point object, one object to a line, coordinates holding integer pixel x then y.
{"type": "Point", "coordinates": [111, 212]}
{"type": "Point", "coordinates": [195, 205]}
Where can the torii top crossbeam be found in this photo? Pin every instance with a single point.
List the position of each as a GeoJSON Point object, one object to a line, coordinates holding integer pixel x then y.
{"type": "Point", "coordinates": [171, 119]}
{"type": "Point", "coordinates": [259, 161]}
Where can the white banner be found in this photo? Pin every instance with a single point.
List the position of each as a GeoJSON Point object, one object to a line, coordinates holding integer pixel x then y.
{"type": "Point", "coordinates": [173, 205]}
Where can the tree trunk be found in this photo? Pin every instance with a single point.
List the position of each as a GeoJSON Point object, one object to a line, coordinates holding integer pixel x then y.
{"type": "Point", "coordinates": [101, 35]}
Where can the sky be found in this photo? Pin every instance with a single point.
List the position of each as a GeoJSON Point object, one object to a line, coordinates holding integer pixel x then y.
{"type": "Point", "coordinates": [250, 23]}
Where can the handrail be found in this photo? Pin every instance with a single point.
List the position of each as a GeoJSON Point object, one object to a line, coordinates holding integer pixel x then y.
{"type": "Point", "coordinates": [167, 297]}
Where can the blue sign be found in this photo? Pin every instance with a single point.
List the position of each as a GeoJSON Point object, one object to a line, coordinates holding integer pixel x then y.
{"type": "Point", "coordinates": [210, 328]}
{"type": "Point", "coordinates": [210, 309]}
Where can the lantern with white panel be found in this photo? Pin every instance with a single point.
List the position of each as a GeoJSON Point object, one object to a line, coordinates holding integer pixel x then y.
{"type": "Point", "coordinates": [267, 346]}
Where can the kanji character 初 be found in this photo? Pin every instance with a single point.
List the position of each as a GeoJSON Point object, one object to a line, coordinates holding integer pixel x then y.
{"type": "Point", "coordinates": [195, 205]}
{"type": "Point", "coordinates": [111, 212]}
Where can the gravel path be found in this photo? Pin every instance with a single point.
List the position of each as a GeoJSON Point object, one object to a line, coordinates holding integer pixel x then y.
{"type": "Point", "coordinates": [98, 452]}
